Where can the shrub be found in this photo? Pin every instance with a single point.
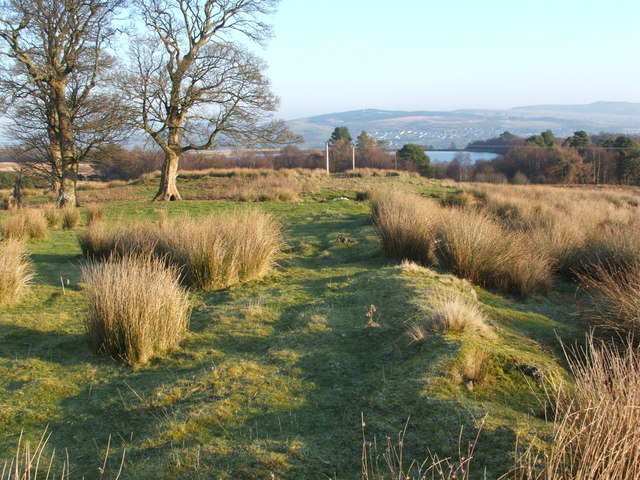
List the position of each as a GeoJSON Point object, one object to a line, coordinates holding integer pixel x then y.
{"type": "Point", "coordinates": [136, 308]}
{"type": "Point", "coordinates": [16, 271]}
{"type": "Point", "coordinates": [25, 223]}
{"type": "Point", "coordinates": [70, 218]}
{"type": "Point", "coordinates": [406, 225]}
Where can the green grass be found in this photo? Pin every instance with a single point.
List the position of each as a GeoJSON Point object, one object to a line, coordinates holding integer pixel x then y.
{"type": "Point", "coordinates": [274, 374]}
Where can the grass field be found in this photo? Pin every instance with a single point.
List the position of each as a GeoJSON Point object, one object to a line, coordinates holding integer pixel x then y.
{"type": "Point", "coordinates": [275, 375]}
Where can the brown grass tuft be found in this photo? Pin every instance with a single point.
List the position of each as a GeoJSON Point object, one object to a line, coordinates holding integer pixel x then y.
{"type": "Point", "coordinates": [70, 218]}
{"type": "Point", "coordinates": [596, 423]}
{"type": "Point", "coordinates": [16, 271]}
{"type": "Point", "coordinates": [453, 312]}
{"type": "Point", "coordinates": [136, 308]}
{"type": "Point", "coordinates": [211, 253]}
{"type": "Point", "coordinates": [28, 223]}
{"type": "Point", "coordinates": [616, 292]}
{"type": "Point", "coordinates": [53, 215]}
{"type": "Point", "coordinates": [95, 213]}
{"type": "Point", "coordinates": [406, 225]}
{"type": "Point", "coordinates": [224, 249]}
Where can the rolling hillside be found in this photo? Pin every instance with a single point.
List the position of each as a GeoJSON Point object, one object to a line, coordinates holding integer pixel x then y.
{"type": "Point", "coordinates": [441, 129]}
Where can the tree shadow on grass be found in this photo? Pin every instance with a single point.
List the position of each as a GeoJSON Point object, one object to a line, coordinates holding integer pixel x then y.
{"type": "Point", "coordinates": [285, 400]}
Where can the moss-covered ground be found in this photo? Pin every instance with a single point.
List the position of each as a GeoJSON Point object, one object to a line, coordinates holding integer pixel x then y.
{"type": "Point", "coordinates": [275, 374]}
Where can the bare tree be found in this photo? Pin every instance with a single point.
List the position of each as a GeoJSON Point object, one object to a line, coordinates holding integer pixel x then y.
{"type": "Point", "coordinates": [54, 51]}
{"type": "Point", "coordinates": [192, 88]}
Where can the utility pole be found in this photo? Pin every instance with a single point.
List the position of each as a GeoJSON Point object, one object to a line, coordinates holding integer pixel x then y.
{"type": "Point", "coordinates": [353, 156]}
{"type": "Point", "coordinates": [395, 158]}
{"type": "Point", "coordinates": [327, 157]}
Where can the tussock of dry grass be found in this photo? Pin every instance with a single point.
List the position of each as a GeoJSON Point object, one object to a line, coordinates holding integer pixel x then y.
{"type": "Point", "coordinates": [95, 213]}
{"type": "Point", "coordinates": [136, 308]}
{"type": "Point", "coordinates": [450, 311]}
{"type": "Point", "coordinates": [16, 271]}
{"type": "Point", "coordinates": [576, 229]}
{"type": "Point", "coordinates": [596, 423]}
{"type": "Point", "coordinates": [211, 253]}
{"type": "Point", "coordinates": [406, 225]}
{"type": "Point", "coordinates": [28, 223]}
{"type": "Point", "coordinates": [473, 366]}
{"type": "Point", "coordinates": [268, 188]}
{"type": "Point", "coordinates": [467, 243]}
{"type": "Point", "coordinates": [616, 291]}
{"type": "Point", "coordinates": [70, 218]}
{"type": "Point", "coordinates": [224, 249]}
{"type": "Point", "coordinates": [101, 241]}
{"type": "Point", "coordinates": [53, 215]}
{"type": "Point", "coordinates": [474, 247]}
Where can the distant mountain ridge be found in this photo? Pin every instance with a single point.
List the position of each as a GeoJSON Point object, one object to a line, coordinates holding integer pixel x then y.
{"type": "Point", "coordinates": [442, 129]}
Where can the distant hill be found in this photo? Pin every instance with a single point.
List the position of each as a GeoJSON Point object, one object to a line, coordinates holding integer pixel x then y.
{"type": "Point", "coordinates": [459, 127]}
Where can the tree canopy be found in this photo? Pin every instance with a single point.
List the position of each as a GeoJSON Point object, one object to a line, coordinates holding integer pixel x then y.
{"type": "Point", "coordinates": [340, 133]}
{"type": "Point", "coordinates": [190, 87]}
{"type": "Point", "coordinates": [412, 153]}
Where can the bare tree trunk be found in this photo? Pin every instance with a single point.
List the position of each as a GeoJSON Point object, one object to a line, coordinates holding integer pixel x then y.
{"type": "Point", "coordinates": [67, 196]}
{"type": "Point", "coordinates": [168, 190]}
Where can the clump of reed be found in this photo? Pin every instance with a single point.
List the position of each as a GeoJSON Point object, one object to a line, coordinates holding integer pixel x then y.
{"type": "Point", "coordinates": [95, 213]}
{"type": "Point", "coordinates": [211, 253]}
{"type": "Point", "coordinates": [70, 218]}
{"type": "Point", "coordinates": [616, 291]}
{"type": "Point", "coordinates": [136, 308]}
{"type": "Point", "coordinates": [474, 247]}
{"type": "Point", "coordinates": [53, 214]}
{"type": "Point", "coordinates": [26, 223]}
{"type": "Point", "coordinates": [406, 224]}
{"type": "Point", "coordinates": [596, 432]}
{"type": "Point", "coordinates": [16, 271]}
{"type": "Point", "coordinates": [224, 249]}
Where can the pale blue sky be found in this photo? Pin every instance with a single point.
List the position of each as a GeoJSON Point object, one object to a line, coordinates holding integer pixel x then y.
{"type": "Point", "coordinates": [337, 55]}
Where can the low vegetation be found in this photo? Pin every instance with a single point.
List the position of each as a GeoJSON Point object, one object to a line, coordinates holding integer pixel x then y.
{"type": "Point", "coordinates": [136, 308]}
{"type": "Point", "coordinates": [596, 432]}
{"type": "Point", "coordinates": [279, 363]}
{"type": "Point", "coordinates": [24, 224]}
{"type": "Point", "coordinates": [70, 217]}
{"type": "Point", "coordinates": [210, 254]}
{"type": "Point", "coordinates": [16, 272]}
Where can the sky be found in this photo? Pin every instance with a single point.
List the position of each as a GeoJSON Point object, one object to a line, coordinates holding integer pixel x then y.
{"type": "Point", "coordinates": [338, 55]}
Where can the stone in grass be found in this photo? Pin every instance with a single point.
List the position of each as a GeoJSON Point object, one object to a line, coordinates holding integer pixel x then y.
{"type": "Point", "coordinates": [344, 240]}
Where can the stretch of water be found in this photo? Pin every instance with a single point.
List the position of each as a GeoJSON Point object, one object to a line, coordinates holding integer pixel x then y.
{"type": "Point", "coordinates": [446, 156]}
